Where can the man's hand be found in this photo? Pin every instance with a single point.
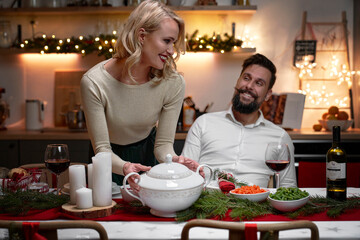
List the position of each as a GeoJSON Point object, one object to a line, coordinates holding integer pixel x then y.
{"type": "Point", "coordinates": [134, 167]}
{"type": "Point", "coordinates": [191, 164]}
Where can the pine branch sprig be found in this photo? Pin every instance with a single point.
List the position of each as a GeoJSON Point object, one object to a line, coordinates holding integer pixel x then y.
{"type": "Point", "coordinates": [216, 204]}
{"type": "Point", "coordinates": [20, 202]}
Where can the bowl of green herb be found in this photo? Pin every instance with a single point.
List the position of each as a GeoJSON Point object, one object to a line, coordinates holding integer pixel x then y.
{"type": "Point", "coordinates": [288, 199]}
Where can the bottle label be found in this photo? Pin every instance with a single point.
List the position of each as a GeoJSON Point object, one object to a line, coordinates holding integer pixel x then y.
{"type": "Point", "coordinates": [335, 170]}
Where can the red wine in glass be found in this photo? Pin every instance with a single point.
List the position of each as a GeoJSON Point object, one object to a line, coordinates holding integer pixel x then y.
{"type": "Point", "coordinates": [277, 165]}
{"type": "Point", "coordinates": [277, 158]}
{"type": "Point", "coordinates": [57, 160]}
{"type": "Point", "coordinates": [57, 166]}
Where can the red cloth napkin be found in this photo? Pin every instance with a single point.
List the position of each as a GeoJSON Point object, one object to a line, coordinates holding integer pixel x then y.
{"type": "Point", "coordinates": [30, 230]}
{"type": "Point", "coordinates": [250, 231]}
{"type": "Point", "coordinates": [224, 184]}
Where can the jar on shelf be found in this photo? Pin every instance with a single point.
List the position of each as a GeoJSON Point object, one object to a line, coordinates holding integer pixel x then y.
{"type": "Point", "coordinates": [5, 34]}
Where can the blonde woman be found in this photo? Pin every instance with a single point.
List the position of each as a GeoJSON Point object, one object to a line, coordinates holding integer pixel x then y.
{"type": "Point", "coordinates": [133, 100]}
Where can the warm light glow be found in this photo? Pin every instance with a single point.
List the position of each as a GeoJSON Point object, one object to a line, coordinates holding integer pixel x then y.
{"type": "Point", "coordinates": [81, 38]}
{"type": "Point", "coordinates": [44, 36]}
{"type": "Point", "coordinates": [97, 39]}
{"type": "Point", "coordinates": [53, 36]}
{"type": "Point", "coordinates": [61, 41]}
{"type": "Point", "coordinates": [114, 32]}
{"type": "Point", "coordinates": [248, 40]}
{"type": "Point", "coordinates": [33, 59]}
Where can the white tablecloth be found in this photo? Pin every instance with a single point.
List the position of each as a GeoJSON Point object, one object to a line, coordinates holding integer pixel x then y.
{"type": "Point", "coordinates": [171, 230]}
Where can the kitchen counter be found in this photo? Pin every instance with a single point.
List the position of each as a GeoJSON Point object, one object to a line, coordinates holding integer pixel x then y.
{"type": "Point", "coordinates": [63, 133]}
{"type": "Point", "coordinates": [58, 133]}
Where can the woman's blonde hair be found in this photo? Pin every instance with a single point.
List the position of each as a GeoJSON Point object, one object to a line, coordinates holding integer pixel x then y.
{"type": "Point", "coordinates": [148, 15]}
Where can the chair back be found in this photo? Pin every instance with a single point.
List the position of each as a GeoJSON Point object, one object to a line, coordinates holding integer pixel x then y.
{"type": "Point", "coordinates": [49, 229]}
{"type": "Point", "coordinates": [240, 230]}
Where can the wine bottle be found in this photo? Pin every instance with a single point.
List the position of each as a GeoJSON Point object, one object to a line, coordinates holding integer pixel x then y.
{"type": "Point", "coordinates": [336, 169]}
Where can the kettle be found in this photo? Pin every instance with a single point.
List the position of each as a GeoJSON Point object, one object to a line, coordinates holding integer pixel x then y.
{"type": "Point", "coordinates": [34, 114]}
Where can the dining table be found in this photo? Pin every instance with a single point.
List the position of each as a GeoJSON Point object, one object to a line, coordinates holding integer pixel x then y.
{"type": "Point", "coordinates": [152, 227]}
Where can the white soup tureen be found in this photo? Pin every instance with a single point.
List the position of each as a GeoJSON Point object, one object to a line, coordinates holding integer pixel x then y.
{"type": "Point", "coordinates": [169, 187]}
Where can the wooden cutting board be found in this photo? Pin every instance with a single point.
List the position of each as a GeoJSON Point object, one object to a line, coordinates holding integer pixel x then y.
{"type": "Point", "coordinates": [94, 212]}
{"type": "Point", "coordinates": [67, 94]}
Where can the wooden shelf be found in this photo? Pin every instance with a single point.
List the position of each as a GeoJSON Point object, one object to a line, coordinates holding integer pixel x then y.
{"type": "Point", "coordinates": [4, 51]}
{"type": "Point", "coordinates": [122, 10]}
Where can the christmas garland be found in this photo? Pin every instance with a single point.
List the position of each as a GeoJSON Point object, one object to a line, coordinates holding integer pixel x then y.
{"type": "Point", "coordinates": [20, 202]}
{"type": "Point", "coordinates": [213, 204]}
{"type": "Point", "coordinates": [104, 44]}
{"type": "Point", "coordinates": [214, 43]}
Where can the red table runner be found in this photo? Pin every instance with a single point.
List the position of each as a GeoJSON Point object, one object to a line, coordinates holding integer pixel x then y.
{"type": "Point", "coordinates": [136, 214]}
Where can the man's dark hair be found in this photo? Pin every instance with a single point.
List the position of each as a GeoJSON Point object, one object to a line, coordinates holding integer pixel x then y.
{"type": "Point", "coordinates": [263, 61]}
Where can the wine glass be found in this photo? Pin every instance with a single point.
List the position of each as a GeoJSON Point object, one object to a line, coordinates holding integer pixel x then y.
{"type": "Point", "coordinates": [57, 160]}
{"type": "Point", "coordinates": [277, 158]}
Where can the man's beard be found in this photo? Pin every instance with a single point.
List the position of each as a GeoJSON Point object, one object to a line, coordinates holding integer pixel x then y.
{"type": "Point", "coordinates": [244, 108]}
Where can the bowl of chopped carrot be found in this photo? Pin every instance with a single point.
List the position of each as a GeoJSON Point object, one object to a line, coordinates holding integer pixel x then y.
{"type": "Point", "coordinates": [253, 193]}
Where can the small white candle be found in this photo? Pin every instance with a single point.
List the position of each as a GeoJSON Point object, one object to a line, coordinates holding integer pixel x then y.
{"type": "Point", "coordinates": [77, 180]}
{"type": "Point", "coordinates": [102, 182]}
{"type": "Point", "coordinates": [84, 198]}
{"type": "Point", "coordinates": [90, 175]}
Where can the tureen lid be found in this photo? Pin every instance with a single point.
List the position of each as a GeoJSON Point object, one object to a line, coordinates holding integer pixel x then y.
{"type": "Point", "coordinates": [169, 170]}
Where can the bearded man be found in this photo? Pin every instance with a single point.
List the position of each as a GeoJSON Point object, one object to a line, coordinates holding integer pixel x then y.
{"type": "Point", "coordinates": [235, 140]}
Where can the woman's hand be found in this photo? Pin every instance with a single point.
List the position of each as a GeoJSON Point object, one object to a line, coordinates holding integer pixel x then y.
{"type": "Point", "coordinates": [191, 164]}
{"type": "Point", "coordinates": [134, 167]}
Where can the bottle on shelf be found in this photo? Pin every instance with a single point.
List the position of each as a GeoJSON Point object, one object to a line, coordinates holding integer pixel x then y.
{"type": "Point", "coordinates": [336, 169]}
{"type": "Point", "coordinates": [189, 113]}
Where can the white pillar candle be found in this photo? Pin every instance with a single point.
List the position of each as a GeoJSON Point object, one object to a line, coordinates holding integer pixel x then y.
{"type": "Point", "coordinates": [90, 175]}
{"type": "Point", "coordinates": [102, 182]}
{"type": "Point", "coordinates": [77, 180]}
{"type": "Point", "coordinates": [84, 198]}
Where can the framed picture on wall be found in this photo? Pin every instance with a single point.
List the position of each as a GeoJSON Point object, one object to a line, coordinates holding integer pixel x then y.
{"type": "Point", "coordinates": [305, 50]}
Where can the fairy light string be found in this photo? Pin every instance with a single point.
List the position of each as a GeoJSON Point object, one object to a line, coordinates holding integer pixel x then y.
{"type": "Point", "coordinates": [336, 71]}
{"type": "Point", "coordinates": [104, 44]}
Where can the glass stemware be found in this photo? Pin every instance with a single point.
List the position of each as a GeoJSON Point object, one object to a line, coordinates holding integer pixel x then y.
{"type": "Point", "coordinates": [277, 158]}
{"type": "Point", "coordinates": [57, 160]}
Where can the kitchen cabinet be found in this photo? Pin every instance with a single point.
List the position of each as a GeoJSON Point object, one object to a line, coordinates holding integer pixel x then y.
{"type": "Point", "coordinates": [14, 153]}
{"type": "Point", "coordinates": [33, 151]}
{"type": "Point", "coordinates": [9, 153]}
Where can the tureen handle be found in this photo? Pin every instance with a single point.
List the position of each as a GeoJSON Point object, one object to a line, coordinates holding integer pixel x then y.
{"type": "Point", "coordinates": [211, 173]}
{"type": "Point", "coordinates": [125, 188]}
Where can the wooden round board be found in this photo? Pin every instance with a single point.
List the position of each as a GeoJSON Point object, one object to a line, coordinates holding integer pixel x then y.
{"type": "Point", "coordinates": [94, 212]}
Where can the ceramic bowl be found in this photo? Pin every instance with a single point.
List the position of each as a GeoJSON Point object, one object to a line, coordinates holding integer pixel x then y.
{"type": "Point", "coordinates": [290, 205]}
{"type": "Point", "coordinates": [328, 124]}
{"type": "Point", "coordinates": [257, 197]}
{"type": "Point", "coordinates": [169, 187]}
